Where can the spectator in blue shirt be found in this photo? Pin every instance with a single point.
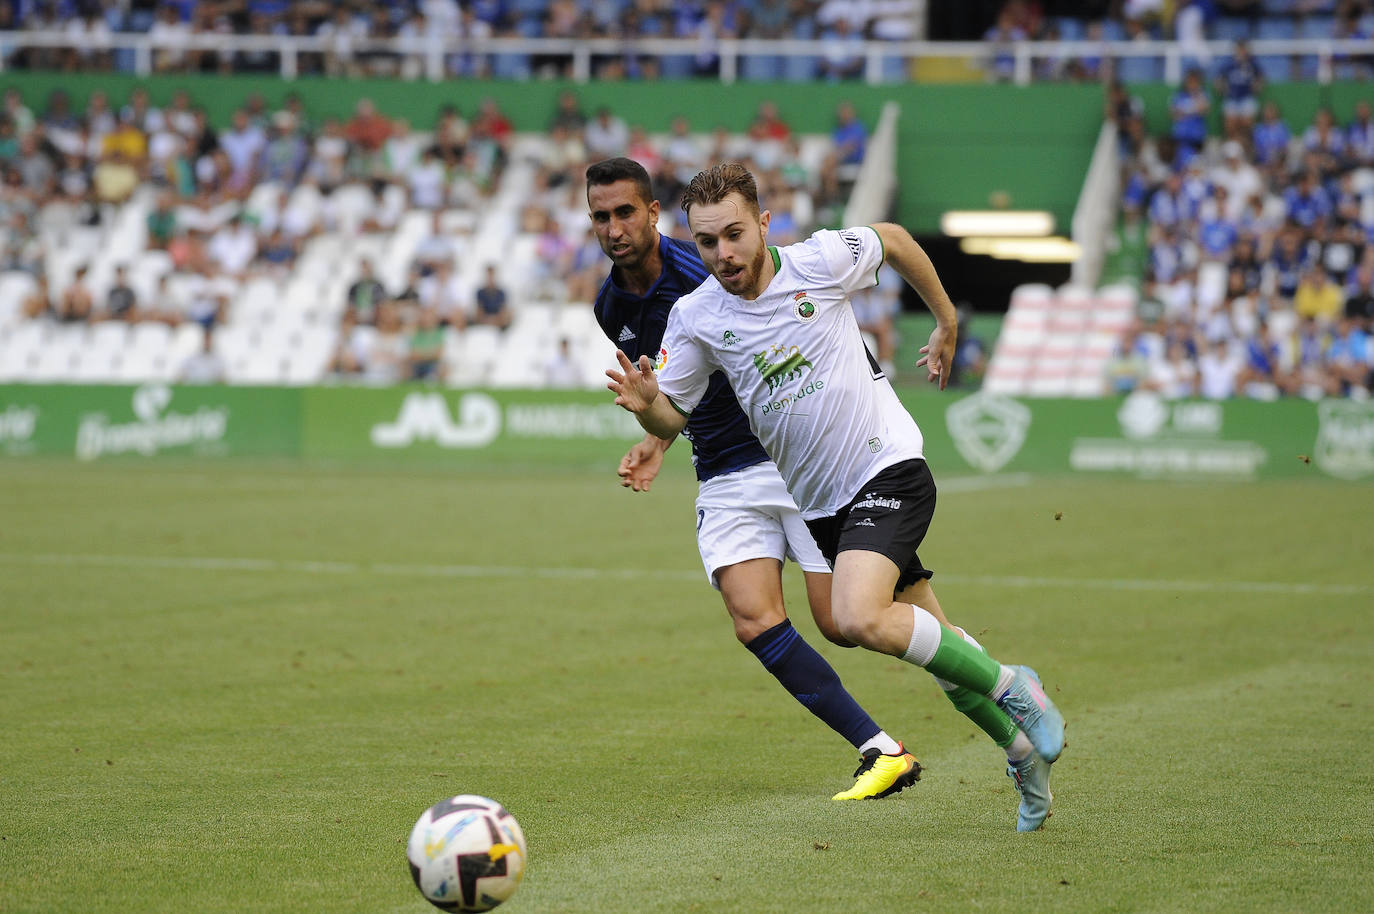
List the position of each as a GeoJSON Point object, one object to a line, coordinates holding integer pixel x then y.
{"type": "Point", "coordinates": [1325, 140]}
{"type": "Point", "coordinates": [1359, 136]}
{"type": "Point", "coordinates": [1348, 355]}
{"type": "Point", "coordinates": [1217, 235]}
{"type": "Point", "coordinates": [1168, 206]}
{"type": "Point", "coordinates": [849, 141]}
{"type": "Point", "coordinates": [1288, 261]}
{"type": "Point", "coordinates": [1240, 83]}
{"type": "Point", "coordinates": [1189, 108]}
{"type": "Point", "coordinates": [1307, 202]}
{"type": "Point", "coordinates": [1270, 138]}
{"type": "Point", "coordinates": [1004, 35]}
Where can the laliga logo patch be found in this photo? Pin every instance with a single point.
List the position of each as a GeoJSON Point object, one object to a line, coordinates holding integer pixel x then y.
{"type": "Point", "coordinates": [662, 358]}
{"type": "Point", "coordinates": [804, 308]}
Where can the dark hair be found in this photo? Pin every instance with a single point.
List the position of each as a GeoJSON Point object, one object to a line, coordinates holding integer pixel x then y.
{"type": "Point", "coordinates": [621, 169]}
{"type": "Point", "coordinates": [719, 181]}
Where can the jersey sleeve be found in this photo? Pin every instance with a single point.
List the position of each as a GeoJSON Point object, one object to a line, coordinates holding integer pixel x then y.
{"type": "Point", "coordinates": [852, 255]}
{"type": "Point", "coordinates": [683, 366]}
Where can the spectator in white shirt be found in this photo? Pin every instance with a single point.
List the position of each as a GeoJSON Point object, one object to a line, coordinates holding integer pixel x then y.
{"type": "Point", "coordinates": [233, 247]}
{"type": "Point", "coordinates": [606, 136]}
{"type": "Point", "coordinates": [1217, 370]}
{"type": "Point", "coordinates": [428, 182]}
{"type": "Point", "coordinates": [169, 35]}
{"type": "Point", "coordinates": [402, 149]}
{"type": "Point", "coordinates": [1239, 177]}
{"type": "Point", "coordinates": [444, 292]}
{"type": "Point", "coordinates": [1174, 376]}
{"type": "Point", "coordinates": [437, 248]}
{"type": "Point", "coordinates": [204, 366]}
{"type": "Point", "coordinates": [206, 296]}
{"type": "Point", "coordinates": [242, 144]}
{"type": "Point", "coordinates": [563, 370]}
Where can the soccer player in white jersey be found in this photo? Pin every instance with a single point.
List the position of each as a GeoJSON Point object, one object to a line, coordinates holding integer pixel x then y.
{"type": "Point", "coordinates": [778, 323]}
{"type": "Point", "coordinates": [746, 522]}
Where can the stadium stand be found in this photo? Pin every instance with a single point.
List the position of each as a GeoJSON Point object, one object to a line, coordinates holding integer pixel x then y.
{"type": "Point", "coordinates": [1258, 252]}
{"type": "Point", "coordinates": [257, 236]}
{"type": "Point", "coordinates": [253, 234]}
{"type": "Point", "coordinates": [876, 40]}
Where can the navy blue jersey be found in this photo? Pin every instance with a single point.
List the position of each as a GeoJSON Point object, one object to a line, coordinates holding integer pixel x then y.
{"type": "Point", "coordinates": [719, 432]}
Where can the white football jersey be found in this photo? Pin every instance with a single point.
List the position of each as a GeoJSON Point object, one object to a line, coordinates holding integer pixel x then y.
{"type": "Point", "coordinates": [797, 362]}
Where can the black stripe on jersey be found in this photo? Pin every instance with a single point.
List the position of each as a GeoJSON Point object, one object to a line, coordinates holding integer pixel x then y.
{"type": "Point", "coordinates": [690, 267]}
{"type": "Point", "coordinates": [873, 365]}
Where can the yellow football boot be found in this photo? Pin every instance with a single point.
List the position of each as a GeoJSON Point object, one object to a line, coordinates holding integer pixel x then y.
{"type": "Point", "coordinates": [882, 775]}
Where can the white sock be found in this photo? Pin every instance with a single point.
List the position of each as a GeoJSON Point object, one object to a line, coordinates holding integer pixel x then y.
{"type": "Point", "coordinates": [925, 637]}
{"type": "Point", "coordinates": [1003, 682]}
{"type": "Point", "coordinates": [883, 743]}
{"type": "Point", "coordinates": [969, 638]}
{"type": "Point", "coordinates": [1019, 748]}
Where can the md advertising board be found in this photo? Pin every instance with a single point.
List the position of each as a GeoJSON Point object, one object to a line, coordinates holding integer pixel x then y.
{"type": "Point", "coordinates": [1141, 435]}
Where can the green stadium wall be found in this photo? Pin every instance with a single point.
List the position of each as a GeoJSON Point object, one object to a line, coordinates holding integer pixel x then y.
{"type": "Point", "coordinates": [1298, 103]}
{"type": "Point", "coordinates": [1141, 435]}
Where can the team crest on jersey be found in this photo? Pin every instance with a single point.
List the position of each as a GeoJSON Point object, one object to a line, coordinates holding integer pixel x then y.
{"type": "Point", "coordinates": [729, 339]}
{"type": "Point", "coordinates": [780, 364]}
{"type": "Point", "coordinates": [662, 358]}
{"type": "Point", "coordinates": [803, 307]}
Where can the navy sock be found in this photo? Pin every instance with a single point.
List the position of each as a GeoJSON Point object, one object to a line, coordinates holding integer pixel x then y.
{"type": "Point", "coordinates": [813, 682]}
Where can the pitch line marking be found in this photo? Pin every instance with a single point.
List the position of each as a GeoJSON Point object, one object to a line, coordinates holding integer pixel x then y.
{"type": "Point", "coordinates": [205, 563]}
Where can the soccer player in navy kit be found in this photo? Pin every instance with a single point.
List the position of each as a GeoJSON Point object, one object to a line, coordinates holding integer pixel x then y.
{"type": "Point", "coordinates": [746, 521]}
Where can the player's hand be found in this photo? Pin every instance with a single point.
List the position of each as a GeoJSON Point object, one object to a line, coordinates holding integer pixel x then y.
{"type": "Point", "coordinates": [938, 355]}
{"type": "Point", "coordinates": [635, 386]}
{"type": "Point", "coordinates": [640, 466]}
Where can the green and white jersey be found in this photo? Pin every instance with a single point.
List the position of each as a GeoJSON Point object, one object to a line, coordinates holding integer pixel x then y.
{"type": "Point", "coordinates": [813, 394]}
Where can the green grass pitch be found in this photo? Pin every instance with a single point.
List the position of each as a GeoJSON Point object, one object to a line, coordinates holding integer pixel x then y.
{"type": "Point", "coordinates": [234, 686]}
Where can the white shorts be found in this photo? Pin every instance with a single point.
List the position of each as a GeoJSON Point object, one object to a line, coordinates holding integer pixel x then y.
{"type": "Point", "coordinates": [1240, 107]}
{"type": "Point", "coordinates": [749, 514]}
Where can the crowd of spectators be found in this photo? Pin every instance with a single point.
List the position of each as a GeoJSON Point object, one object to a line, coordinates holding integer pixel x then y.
{"type": "Point", "coordinates": [1189, 23]}
{"type": "Point", "coordinates": [240, 202]}
{"type": "Point", "coordinates": [349, 29]}
{"type": "Point", "coordinates": [1260, 236]}
{"type": "Point", "coordinates": [384, 328]}
{"type": "Point", "coordinates": [394, 37]}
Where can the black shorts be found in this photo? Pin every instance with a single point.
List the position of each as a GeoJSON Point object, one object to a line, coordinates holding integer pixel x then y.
{"type": "Point", "coordinates": [890, 516]}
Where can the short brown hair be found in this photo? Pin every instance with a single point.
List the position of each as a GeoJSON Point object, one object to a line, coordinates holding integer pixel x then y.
{"type": "Point", "coordinates": [719, 181]}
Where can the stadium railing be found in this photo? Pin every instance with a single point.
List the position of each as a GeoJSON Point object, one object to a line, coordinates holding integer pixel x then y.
{"type": "Point", "coordinates": [884, 61]}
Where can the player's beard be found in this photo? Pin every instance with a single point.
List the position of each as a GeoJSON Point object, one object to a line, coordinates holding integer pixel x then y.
{"type": "Point", "coordinates": [743, 283]}
{"type": "Point", "coordinates": [633, 255]}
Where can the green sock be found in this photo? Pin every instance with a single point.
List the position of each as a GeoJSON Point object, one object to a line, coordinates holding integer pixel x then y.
{"type": "Point", "coordinates": [961, 663]}
{"type": "Point", "coordinates": [989, 718]}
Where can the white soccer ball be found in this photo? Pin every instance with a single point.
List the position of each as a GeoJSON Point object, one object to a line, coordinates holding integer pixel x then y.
{"type": "Point", "coordinates": [466, 854]}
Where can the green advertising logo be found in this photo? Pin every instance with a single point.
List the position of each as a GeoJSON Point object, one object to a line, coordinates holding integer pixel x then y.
{"type": "Point", "coordinates": [156, 427]}
{"type": "Point", "coordinates": [1345, 438]}
{"type": "Point", "coordinates": [17, 427]}
{"type": "Point", "coordinates": [425, 417]}
{"type": "Point", "coordinates": [788, 367]}
{"type": "Point", "coordinates": [1163, 438]}
{"type": "Point", "coordinates": [988, 429]}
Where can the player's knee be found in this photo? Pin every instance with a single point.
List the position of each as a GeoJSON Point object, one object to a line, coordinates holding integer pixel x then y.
{"type": "Point", "coordinates": [832, 633]}
{"type": "Point", "coordinates": [752, 621]}
{"type": "Point", "coordinates": [858, 627]}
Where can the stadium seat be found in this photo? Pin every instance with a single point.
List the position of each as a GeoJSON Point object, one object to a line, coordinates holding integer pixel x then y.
{"type": "Point", "coordinates": [55, 360]}
{"type": "Point", "coordinates": [15, 286]}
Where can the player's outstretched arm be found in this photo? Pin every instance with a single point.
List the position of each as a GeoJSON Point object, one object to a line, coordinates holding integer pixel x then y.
{"type": "Point", "coordinates": [912, 263]}
{"type": "Point", "coordinates": [636, 389]}
{"type": "Point", "coordinates": [640, 466]}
